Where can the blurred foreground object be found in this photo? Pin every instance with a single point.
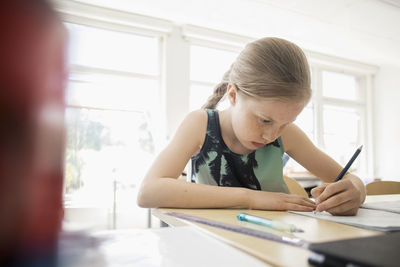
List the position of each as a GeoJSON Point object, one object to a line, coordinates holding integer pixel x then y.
{"type": "Point", "coordinates": [32, 80]}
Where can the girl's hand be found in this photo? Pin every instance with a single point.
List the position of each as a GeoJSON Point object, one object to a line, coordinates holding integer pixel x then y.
{"type": "Point", "coordinates": [340, 198]}
{"type": "Point", "coordinates": [279, 201]}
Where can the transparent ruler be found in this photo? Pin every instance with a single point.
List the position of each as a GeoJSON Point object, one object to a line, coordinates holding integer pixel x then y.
{"type": "Point", "coordinates": [297, 242]}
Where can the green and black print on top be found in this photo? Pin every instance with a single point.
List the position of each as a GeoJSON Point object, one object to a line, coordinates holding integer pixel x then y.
{"type": "Point", "coordinates": [216, 164]}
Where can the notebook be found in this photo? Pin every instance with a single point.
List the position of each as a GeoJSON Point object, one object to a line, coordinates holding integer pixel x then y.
{"type": "Point", "coordinates": [372, 219]}
{"type": "Point", "coordinates": [391, 206]}
{"type": "Point", "coordinates": [381, 250]}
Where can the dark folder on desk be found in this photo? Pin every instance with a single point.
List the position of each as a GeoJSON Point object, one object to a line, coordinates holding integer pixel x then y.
{"type": "Point", "coordinates": [381, 250]}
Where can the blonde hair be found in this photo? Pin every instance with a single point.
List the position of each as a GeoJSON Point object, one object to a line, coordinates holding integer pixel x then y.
{"type": "Point", "coordinates": [268, 68]}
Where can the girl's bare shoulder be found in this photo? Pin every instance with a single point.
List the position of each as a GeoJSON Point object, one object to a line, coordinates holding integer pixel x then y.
{"type": "Point", "coordinates": [194, 127]}
{"type": "Point", "coordinates": [196, 120]}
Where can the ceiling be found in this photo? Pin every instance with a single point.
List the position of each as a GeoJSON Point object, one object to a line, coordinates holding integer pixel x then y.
{"type": "Point", "coordinates": [364, 30]}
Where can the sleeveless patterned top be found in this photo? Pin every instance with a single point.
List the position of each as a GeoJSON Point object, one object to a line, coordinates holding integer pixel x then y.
{"type": "Point", "coordinates": [216, 164]}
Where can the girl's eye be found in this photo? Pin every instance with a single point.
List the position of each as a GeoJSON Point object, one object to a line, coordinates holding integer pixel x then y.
{"type": "Point", "coordinates": [265, 121]}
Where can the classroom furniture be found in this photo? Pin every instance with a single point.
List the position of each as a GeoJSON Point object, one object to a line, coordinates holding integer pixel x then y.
{"type": "Point", "coordinates": [271, 252]}
{"type": "Point", "coordinates": [383, 188]}
{"type": "Point", "coordinates": [294, 186]}
{"type": "Point", "coordinates": [306, 180]}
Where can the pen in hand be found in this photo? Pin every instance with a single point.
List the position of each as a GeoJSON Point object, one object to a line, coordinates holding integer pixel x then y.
{"type": "Point", "coordinates": [346, 168]}
{"type": "Point", "coordinates": [277, 225]}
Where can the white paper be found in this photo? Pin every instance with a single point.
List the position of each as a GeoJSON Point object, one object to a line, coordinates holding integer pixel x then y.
{"type": "Point", "coordinates": [392, 206]}
{"type": "Point", "coordinates": [365, 218]}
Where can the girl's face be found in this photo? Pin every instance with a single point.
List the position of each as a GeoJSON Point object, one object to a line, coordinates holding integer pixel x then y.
{"type": "Point", "coordinates": [257, 122]}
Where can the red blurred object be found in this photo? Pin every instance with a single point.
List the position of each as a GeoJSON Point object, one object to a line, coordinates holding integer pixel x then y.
{"type": "Point", "coordinates": [32, 81]}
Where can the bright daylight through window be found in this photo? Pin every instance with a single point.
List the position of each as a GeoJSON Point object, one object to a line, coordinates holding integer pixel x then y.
{"type": "Point", "coordinates": [111, 96]}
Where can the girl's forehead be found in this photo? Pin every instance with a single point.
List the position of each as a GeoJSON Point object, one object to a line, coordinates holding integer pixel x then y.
{"type": "Point", "coordinates": [278, 110]}
{"type": "Point", "coordinates": [266, 103]}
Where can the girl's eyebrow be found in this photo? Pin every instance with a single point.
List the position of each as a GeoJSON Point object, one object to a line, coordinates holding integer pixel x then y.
{"type": "Point", "coordinates": [272, 120]}
{"type": "Point", "coordinates": [265, 117]}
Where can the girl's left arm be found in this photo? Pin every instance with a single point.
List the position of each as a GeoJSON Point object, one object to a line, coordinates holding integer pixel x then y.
{"type": "Point", "coordinates": [339, 198]}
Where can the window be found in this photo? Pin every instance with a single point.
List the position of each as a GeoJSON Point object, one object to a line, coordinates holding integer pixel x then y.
{"type": "Point", "coordinates": [122, 102]}
{"type": "Point", "coordinates": [335, 118]}
{"type": "Point", "coordinates": [340, 86]}
{"type": "Point", "coordinates": [111, 104]}
{"type": "Point", "coordinates": [207, 67]}
{"type": "Point", "coordinates": [306, 120]}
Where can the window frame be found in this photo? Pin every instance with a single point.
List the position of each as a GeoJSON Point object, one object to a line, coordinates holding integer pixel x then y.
{"type": "Point", "coordinates": [365, 73]}
{"type": "Point", "coordinates": [113, 20]}
{"type": "Point", "coordinates": [213, 45]}
{"type": "Point", "coordinates": [174, 84]}
{"type": "Point", "coordinates": [82, 69]}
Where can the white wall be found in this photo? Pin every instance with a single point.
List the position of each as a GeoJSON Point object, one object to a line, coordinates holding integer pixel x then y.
{"type": "Point", "coordinates": [387, 123]}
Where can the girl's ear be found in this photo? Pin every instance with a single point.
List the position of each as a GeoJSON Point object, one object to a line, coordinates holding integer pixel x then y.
{"type": "Point", "coordinates": [231, 92]}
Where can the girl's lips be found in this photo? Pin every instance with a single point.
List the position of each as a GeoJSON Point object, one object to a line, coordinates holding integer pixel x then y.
{"type": "Point", "coordinates": [258, 145]}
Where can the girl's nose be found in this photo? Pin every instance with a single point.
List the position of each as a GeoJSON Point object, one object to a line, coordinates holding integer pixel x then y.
{"type": "Point", "coordinates": [270, 135]}
{"type": "Point", "coordinates": [268, 138]}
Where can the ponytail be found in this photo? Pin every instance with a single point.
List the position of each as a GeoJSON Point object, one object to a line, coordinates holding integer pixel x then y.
{"type": "Point", "coordinates": [218, 94]}
{"type": "Point", "coordinates": [219, 91]}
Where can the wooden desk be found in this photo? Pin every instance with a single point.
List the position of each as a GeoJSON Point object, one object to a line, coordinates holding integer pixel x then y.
{"type": "Point", "coordinates": [271, 252]}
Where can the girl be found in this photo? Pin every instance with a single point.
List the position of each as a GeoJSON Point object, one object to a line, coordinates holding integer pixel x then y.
{"type": "Point", "coordinates": [236, 153]}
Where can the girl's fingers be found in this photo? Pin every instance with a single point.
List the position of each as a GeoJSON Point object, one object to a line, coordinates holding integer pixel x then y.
{"type": "Point", "coordinates": [346, 209]}
{"type": "Point", "coordinates": [299, 200]}
{"type": "Point", "coordinates": [334, 201]}
{"type": "Point", "coordinates": [298, 207]}
{"type": "Point", "coordinates": [331, 190]}
{"type": "Point", "coordinates": [307, 202]}
{"type": "Point", "coordinates": [316, 191]}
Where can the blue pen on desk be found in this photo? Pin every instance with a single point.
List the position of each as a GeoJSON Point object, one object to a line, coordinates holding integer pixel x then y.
{"type": "Point", "coordinates": [277, 225]}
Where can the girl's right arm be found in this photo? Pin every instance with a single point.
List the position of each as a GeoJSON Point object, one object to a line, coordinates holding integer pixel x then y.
{"type": "Point", "coordinates": [161, 188]}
